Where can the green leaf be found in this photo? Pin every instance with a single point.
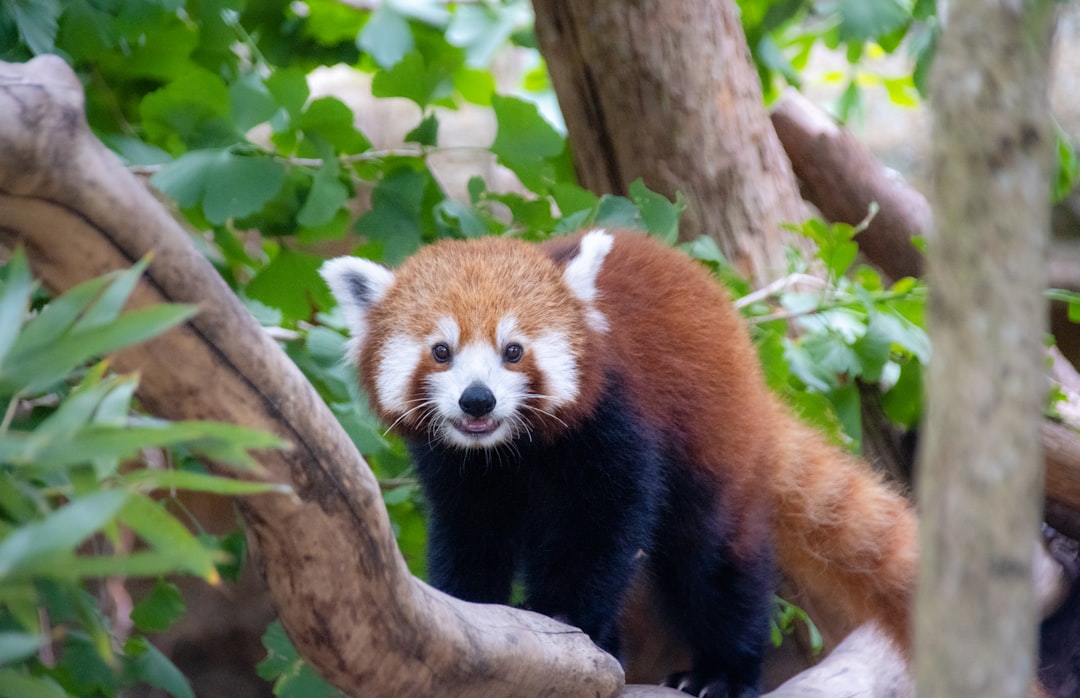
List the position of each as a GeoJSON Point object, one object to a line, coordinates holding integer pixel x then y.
{"type": "Point", "coordinates": [897, 329]}
{"type": "Point", "coordinates": [327, 196]}
{"type": "Point", "coordinates": [15, 647]}
{"type": "Point", "coordinates": [280, 653]}
{"type": "Point", "coordinates": [87, 669]}
{"type": "Point", "coordinates": [290, 674]}
{"type": "Point", "coordinates": [107, 306]}
{"type": "Point", "coordinates": [483, 29]}
{"type": "Point", "coordinates": [524, 136]}
{"type": "Point", "coordinates": [16, 684]}
{"type": "Point", "coordinates": [865, 20]}
{"type": "Point", "coordinates": [1070, 298]}
{"type": "Point", "coordinates": [151, 480]}
{"type": "Point", "coordinates": [1068, 167]}
{"type": "Point", "coordinates": [330, 119]}
{"type": "Point", "coordinates": [462, 218]}
{"type": "Point", "coordinates": [184, 179]}
{"type": "Point", "coordinates": [14, 300]}
{"type": "Point", "coordinates": [55, 433]}
{"type": "Point", "coordinates": [227, 185]}
{"type": "Point", "coordinates": [570, 198]}
{"type": "Point", "coordinates": [413, 77]}
{"type": "Point", "coordinates": [251, 102]}
{"type": "Point", "coordinates": [60, 531]}
{"type": "Point", "coordinates": [191, 112]}
{"type": "Point", "coordinates": [386, 36]}
{"type": "Point", "coordinates": [60, 314]}
{"type": "Point", "coordinates": [37, 370]}
{"type": "Point", "coordinates": [832, 356]}
{"type": "Point", "coordinates": [161, 530]}
{"type": "Point", "coordinates": [617, 212]}
{"type": "Point", "coordinates": [475, 86]}
{"type": "Point", "coordinates": [660, 216]}
{"type": "Point", "coordinates": [239, 186]}
{"type": "Point", "coordinates": [37, 22]}
{"type": "Point", "coordinates": [848, 404]}
{"type": "Point", "coordinates": [72, 567]}
{"type": "Point", "coordinates": [289, 87]}
{"type": "Point", "coordinates": [147, 664]}
{"type": "Point", "coordinates": [874, 349]}
{"type": "Point", "coordinates": [903, 402]}
{"type": "Point", "coordinates": [427, 133]}
{"type": "Point", "coordinates": [159, 609]}
{"type": "Point", "coordinates": [291, 282]}
{"type": "Point", "coordinates": [395, 216]}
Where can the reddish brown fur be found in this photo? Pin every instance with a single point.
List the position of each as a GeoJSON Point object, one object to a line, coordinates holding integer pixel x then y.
{"type": "Point", "coordinates": [848, 540]}
{"type": "Point", "coordinates": [845, 538]}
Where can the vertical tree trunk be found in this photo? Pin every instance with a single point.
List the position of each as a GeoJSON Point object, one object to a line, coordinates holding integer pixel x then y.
{"type": "Point", "coordinates": [666, 91]}
{"type": "Point", "coordinates": [980, 478]}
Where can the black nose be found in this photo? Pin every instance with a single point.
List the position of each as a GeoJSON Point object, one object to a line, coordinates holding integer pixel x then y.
{"type": "Point", "coordinates": [477, 400]}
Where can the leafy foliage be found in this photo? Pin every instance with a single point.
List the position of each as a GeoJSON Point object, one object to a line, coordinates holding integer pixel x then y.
{"type": "Point", "coordinates": [74, 496]}
{"type": "Point", "coordinates": [783, 34]}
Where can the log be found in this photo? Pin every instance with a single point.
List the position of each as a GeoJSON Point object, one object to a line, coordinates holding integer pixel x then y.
{"type": "Point", "coordinates": [327, 552]}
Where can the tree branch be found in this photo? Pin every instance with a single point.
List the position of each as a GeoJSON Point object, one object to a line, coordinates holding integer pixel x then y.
{"type": "Point", "coordinates": [841, 177]}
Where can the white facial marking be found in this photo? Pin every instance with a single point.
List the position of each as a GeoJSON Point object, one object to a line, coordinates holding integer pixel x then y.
{"type": "Point", "coordinates": [357, 284]}
{"type": "Point", "coordinates": [397, 365]}
{"type": "Point", "coordinates": [446, 330]}
{"type": "Point", "coordinates": [556, 362]}
{"type": "Point", "coordinates": [505, 332]}
{"type": "Point", "coordinates": [581, 273]}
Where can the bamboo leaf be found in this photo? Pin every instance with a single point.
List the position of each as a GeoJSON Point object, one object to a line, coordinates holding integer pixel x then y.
{"type": "Point", "coordinates": [61, 531]}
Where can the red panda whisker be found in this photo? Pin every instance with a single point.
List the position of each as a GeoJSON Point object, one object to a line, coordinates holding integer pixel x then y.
{"type": "Point", "coordinates": [423, 403]}
{"type": "Point", "coordinates": [544, 412]}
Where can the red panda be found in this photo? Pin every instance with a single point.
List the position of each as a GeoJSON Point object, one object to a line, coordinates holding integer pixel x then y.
{"type": "Point", "coordinates": [591, 410]}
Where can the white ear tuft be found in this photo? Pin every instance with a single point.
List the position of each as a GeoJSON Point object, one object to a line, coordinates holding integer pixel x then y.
{"type": "Point", "coordinates": [357, 284]}
{"type": "Point", "coordinates": [580, 274]}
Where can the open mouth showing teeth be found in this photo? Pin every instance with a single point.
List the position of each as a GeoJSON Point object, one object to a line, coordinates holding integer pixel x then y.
{"type": "Point", "coordinates": [476, 426]}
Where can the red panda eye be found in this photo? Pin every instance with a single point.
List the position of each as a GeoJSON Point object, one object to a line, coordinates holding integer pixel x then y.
{"type": "Point", "coordinates": [512, 353]}
{"type": "Point", "coordinates": [441, 353]}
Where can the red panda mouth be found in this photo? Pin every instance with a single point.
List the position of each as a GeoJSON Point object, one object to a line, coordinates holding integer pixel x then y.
{"type": "Point", "coordinates": [476, 426]}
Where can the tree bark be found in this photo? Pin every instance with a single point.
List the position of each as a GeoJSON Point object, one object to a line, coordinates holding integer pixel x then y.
{"type": "Point", "coordinates": [666, 91]}
{"type": "Point", "coordinates": [976, 612]}
{"type": "Point", "coordinates": [327, 552]}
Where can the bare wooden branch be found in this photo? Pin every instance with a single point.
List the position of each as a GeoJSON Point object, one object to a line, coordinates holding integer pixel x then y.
{"type": "Point", "coordinates": [841, 177]}
{"type": "Point", "coordinates": [328, 554]}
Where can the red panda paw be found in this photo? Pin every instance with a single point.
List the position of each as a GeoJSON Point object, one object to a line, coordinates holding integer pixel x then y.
{"type": "Point", "coordinates": [698, 684]}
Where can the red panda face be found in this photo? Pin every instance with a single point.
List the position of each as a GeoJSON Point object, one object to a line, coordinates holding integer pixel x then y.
{"type": "Point", "coordinates": [472, 343]}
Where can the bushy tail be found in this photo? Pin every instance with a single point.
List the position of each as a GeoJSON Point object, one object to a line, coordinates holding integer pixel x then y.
{"type": "Point", "coordinates": [844, 537]}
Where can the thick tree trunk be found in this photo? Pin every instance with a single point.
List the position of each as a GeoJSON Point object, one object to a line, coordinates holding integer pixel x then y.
{"type": "Point", "coordinates": [992, 144]}
{"type": "Point", "coordinates": [666, 91]}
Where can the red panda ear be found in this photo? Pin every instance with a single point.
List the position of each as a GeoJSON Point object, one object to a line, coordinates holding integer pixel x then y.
{"type": "Point", "coordinates": [357, 284]}
{"type": "Point", "coordinates": [581, 272]}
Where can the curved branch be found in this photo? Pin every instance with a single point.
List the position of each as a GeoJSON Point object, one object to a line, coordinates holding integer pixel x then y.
{"type": "Point", "coordinates": [328, 552]}
{"type": "Point", "coordinates": [841, 177]}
